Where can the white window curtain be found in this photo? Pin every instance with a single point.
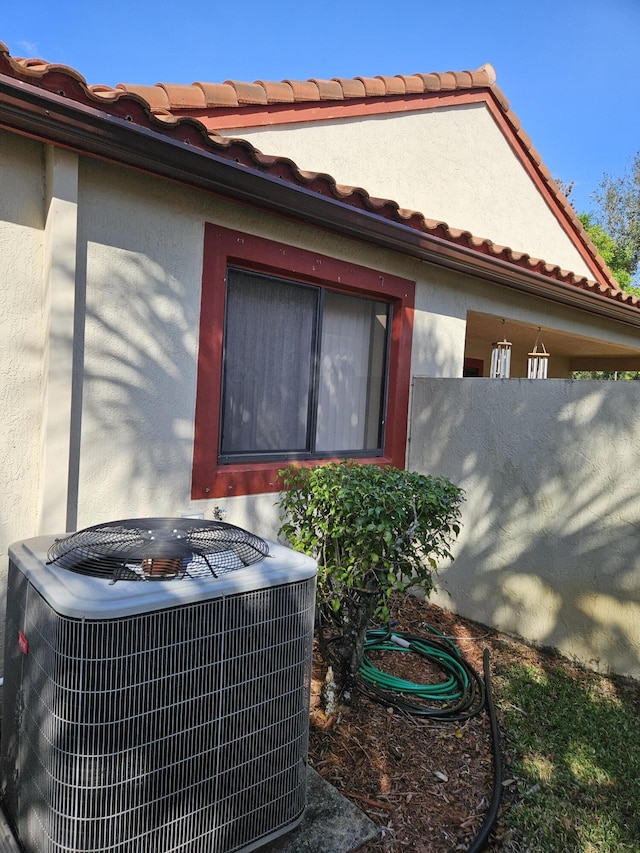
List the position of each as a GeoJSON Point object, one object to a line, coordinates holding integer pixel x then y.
{"type": "Point", "coordinates": [280, 356]}
{"type": "Point", "coordinates": [351, 372]}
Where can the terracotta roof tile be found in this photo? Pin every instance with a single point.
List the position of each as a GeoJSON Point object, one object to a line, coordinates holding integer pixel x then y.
{"type": "Point", "coordinates": [150, 106]}
{"type": "Point", "coordinates": [264, 92]}
{"type": "Point", "coordinates": [329, 90]}
{"type": "Point", "coordinates": [248, 93]}
{"type": "Point", "coordinates": [501, 99]}
{"type": "Point", "coordinates": [155, 96]}
{"type": "Point", "coordinates": [412, 83]}
{"type": "Point", "coordinates": [218, 94]}
{"type": "Point", "coordinates": [430, 82]}
{"type": "Point", "coordinates": [106, 92]}
{"type": "Point", "coordinates": [304, 90]}
{"type": "Point", "coordinates": [184, 97]}
{"type": "Point", "coordinates": [277, 93]}
{"type": "Point", "coordinates": [393, 85]}
{"type": "Point", "coordinates": [448, 80]}
{"type": "Point", "coordinates": [351, 88]}
{"type": "Point", "coordinates": [373, 86]}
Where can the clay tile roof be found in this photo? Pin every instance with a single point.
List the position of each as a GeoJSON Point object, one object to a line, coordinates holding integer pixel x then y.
{"type": "Point", "coordinates": [187, 97]}
{"type": "Point", "coordinates": [329, 90]}
{"type": "Point", "coordinates": [351, 88]}
{"type": "Point", "coordinates": [277, 93]}
{"type": "Point", "coordinates": [304, 90]}
{"type": "Point", "coordinates": [464, 79]}
{"type": "Point", "coordinates": [373, 86]}
{"type": "Point", "coordinates": [248, 93]}
{"type": "Point", "coordinates": [106, 92]}
{"type": "Point", "coordinates": [237, 94]}
{"type": "Point", "coordinates": [393, 85]}
{"type": "Point", "coordinates": [430, 82]}
{"type": "Point", "coordinates": [448, 80]}
{"type": "Point", "coordinates": [412, 83]}
{"type": "Point", "coordinates": [218, 94]}
{"type": "Point", "coordinates": [155, 96]}
{"type": "Point", "coordinates": [151, 106]}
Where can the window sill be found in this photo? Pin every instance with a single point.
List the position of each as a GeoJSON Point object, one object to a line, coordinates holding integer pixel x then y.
{"type": "Point", "coordinates": [262, 478]}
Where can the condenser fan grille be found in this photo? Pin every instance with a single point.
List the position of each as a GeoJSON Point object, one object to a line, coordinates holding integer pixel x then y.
{"type": "Point", "coordinates": [158, 549]}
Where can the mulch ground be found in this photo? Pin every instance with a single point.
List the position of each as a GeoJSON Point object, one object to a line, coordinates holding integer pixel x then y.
{"type": "Point", "coordinates": [426, 784]}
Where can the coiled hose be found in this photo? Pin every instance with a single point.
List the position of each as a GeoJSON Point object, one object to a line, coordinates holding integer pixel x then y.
{"type": "Point", "coordinates": [462, 695]}
{"type": "Point", "coordinates": [459, 697]}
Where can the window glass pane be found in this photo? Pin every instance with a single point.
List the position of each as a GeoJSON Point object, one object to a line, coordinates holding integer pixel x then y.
{"type": "Point", "coordinates": [268, 364]}
{"type": "Point", "coordinates": [352, 372]}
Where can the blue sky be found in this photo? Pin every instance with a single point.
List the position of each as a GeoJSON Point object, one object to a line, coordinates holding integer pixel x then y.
{"type": "Point", "coordinates": [570, 68]}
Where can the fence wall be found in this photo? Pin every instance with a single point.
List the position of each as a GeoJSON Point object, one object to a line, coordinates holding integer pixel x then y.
{"type": "Point", "coordinates": [550, 545]}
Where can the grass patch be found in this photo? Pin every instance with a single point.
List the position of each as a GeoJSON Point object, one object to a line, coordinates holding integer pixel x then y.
{"type": "Point", "coordinates": [573, 757]}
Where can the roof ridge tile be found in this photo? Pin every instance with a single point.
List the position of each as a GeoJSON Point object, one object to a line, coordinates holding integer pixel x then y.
{"type": "Point", "coordinates": [304, 90]}
{"type": "Point", "coordinates": [218, 94]}
{"type": "Point", "coordinates": [328, 90]}
{"type": "Point", "coordinates": [351, 87]}
{"type": "Point", "coordinates": [374, 86]}
{"type": "Point", "coordinates": [248, 93]}
{"type": "Point", "coordinates": [277, 93]}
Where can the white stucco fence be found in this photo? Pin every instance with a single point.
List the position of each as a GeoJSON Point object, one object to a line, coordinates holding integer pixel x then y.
{"type": "Point", "coordinates": [550, 545]}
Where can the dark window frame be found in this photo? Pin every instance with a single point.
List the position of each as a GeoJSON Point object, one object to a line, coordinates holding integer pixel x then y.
{"type": "Point", "coordinates": [224, 248]}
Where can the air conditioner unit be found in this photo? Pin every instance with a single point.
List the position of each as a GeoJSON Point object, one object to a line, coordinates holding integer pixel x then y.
{"type": "Point", "coordinates": [156, 689]}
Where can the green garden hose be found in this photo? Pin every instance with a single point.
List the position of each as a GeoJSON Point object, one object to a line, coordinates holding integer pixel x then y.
{"type": "Point", "coordinates": [459, 696]}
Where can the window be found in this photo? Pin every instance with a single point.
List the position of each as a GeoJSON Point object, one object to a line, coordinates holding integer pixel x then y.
{"type": "Point", "coordinates": [304, 370]}
{"type": "Point", "coordinates": [301, 357]}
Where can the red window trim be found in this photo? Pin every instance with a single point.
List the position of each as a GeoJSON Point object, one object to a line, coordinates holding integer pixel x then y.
{"type": "Point", "coordinates": [224, 247]}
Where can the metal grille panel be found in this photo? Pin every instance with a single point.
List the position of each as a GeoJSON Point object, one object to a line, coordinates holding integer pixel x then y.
{"type": "Point", "coordinates": [178, 730]}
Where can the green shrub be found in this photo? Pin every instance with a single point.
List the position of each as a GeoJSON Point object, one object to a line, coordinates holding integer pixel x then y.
{"type": "Point", "coordinates": [372, 530]}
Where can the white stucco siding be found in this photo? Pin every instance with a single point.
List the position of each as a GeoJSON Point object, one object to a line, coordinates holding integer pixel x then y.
{"type": "Point", "coordinates": [549, 543]}
{"type": "Point", "coordinates": [21, 334]}
{"type": "Point", "coordinates": [451, 164]}
{"type": "Point", "coordinates": [141, 247]}
{"type": "Point", "coordinates": [143, 244]}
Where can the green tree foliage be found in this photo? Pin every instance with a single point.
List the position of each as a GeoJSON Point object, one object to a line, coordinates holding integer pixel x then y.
{"type": "Point", "coordinates": [619, 201]}
{"type": "Point", "coordinates": [372, 530]}
{"type": "Point", "coordinates": [617, 256]}
{"type": "Point", "coordinates": [606, 374]}
{"type": "Point", "coordinates": [615, 227]}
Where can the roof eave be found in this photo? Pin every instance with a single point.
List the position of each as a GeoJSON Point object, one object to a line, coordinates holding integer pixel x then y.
{"type": "Point", "coordinates": [86, 129]}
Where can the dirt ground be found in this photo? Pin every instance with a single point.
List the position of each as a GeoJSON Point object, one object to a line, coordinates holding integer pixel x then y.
{"type": "Point", "coordinates": [426, 784]}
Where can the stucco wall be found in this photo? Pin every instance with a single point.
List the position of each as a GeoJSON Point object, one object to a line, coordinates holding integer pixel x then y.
{"type": "Point", "coordinates": [21, 333]}
{"type": "Point", "coordinates": [550, 544]}
{"type": "Point", "coordinates": [138, 276]}
{"type": "Point", "coordinates": [21, 342]}
{"type": "Point", "coordinates": [452, 164]}
{"type": "Point", "coordinates": [140, 249]}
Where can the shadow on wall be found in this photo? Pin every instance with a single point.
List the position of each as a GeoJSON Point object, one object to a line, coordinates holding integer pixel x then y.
{"type": "Point", "coordinates": [551, 526]}
{"type": "Point", "coordinates": [135, 352]}
{"type": "Point", "coordinates": [133, 380]}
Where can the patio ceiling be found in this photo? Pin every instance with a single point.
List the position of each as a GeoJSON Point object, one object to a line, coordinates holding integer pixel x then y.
{"type": "Point", "coordinates": [582, 352]}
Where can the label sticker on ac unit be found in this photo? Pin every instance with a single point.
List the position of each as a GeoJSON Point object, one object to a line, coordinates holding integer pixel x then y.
{"type": "Point", "coordinates": [23, 643]}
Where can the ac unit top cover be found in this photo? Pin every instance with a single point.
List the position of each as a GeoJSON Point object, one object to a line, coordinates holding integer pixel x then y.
{"type": "Point", "coordinates": [83, 597]}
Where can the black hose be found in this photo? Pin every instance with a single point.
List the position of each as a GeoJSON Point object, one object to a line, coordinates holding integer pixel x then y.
{"type": "Point", "coordinates": [480, 841]}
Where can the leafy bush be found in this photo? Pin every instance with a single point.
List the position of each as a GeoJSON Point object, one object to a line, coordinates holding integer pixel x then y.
{"type": "Point", "coordinates": [372, 530]}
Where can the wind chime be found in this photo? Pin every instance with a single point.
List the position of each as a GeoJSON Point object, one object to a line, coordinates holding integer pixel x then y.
{"type": "Point", "coordinates": [538, 360]}
{"type": "Point", "coordinates": [501, 358]}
